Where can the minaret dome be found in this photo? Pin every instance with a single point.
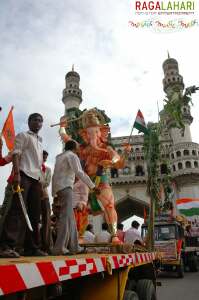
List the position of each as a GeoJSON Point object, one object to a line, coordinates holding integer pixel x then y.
{"type": "Point", "coordinates": [172, 78]}
{"type": "Point", "coordinates": [72, 94]}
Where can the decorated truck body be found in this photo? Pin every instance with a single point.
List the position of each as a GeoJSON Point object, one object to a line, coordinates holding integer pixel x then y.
{"type": "Point", "coordinates": [177, 254]}
{"type": "Point", "coordinates": [86, 276]}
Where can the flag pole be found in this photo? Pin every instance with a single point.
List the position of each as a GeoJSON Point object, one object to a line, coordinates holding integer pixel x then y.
{"type": "Point", "coordinates": [158, 111]}
{"type": "Point", "coordinates": [131, 133]}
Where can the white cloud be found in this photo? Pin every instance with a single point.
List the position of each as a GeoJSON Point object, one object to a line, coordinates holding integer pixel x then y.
{"type": "Point", "coordinates": [120, 67]}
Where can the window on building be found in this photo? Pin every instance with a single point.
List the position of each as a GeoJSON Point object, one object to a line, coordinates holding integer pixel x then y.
{"type": "Point", "coordinates": [194, 152]}
{"type": "Point", "coordinates": [186, 152]}
{"type": "Point", "coordinates": [139, 171]}
{"type": "Point", "coordinates": [178, 153]}
{"type": "Point", "coordinates": [126, 171]}
{"type": "Point", "coordinates": [180, 166]}
{"type": "Point", "coordinates": [188, 164]}
{"type": "Point", "coordinates": [174, 168]}
{"type": "Point", "coordinates": [172, 155]}
{"type": "Point", "coordinates": [114, 173]}
{"type": "Point", "coordinates": [195, 164]}
{"type": "Point", "coordinates": [163, 169]}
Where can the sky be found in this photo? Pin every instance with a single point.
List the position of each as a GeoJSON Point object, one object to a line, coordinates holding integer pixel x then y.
{"type": "Point", "coordinates": [120, 66]}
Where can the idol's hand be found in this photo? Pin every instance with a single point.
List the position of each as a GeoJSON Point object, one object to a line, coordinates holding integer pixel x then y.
{"type": "Point", "coordinates": [63, 122]}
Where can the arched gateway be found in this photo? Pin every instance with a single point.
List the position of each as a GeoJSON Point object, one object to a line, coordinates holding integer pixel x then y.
{"type": "Point", "coordinates": [130, 206]}
{"type": "Point", "coordinates": [130, 196]}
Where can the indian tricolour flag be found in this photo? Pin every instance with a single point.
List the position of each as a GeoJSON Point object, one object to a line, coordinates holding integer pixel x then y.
{"type": "Point", "coordinates": [189, 207]}
{"type": "Point", "coordinates": [139, 123]}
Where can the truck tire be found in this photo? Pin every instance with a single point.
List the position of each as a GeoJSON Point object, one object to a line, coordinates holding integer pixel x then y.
{"type": "Point", "coordinates": [130, 295]}
{"type": "Point", "coordinates": [131, 285]}
{"type": "Point", "coordinates": [180, 269]}
{"type": "Point", "coordinates": [146, 290]}
{"type": "Point", "coordinates": [193, 264]}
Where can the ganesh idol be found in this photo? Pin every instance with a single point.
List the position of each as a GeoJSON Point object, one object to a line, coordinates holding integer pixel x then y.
{"type": "Point", "coordinates": [97, 157]}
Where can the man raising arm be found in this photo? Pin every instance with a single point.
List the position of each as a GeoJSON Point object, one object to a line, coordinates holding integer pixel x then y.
{"type": "Point", "coordinates": [67, 166]}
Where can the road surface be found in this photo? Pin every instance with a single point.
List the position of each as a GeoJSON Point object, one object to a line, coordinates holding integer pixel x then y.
{"type": "Point", "coordinates": [173, 288]}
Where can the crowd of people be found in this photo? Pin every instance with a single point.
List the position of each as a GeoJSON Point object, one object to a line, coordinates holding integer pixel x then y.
{"type": "Point", "coordinates": [36, 232]}
{"type": "Point", "coordinates": [130, 236]}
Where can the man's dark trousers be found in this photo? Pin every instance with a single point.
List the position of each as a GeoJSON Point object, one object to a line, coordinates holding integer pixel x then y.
{"type": "Point", "coordinates": [15, 231]}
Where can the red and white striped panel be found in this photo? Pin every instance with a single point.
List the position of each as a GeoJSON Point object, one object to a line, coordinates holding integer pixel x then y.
{"type": "Point", "coordinates": [135, 259]}
{"type": "Point", "coordinates": [23, 276]}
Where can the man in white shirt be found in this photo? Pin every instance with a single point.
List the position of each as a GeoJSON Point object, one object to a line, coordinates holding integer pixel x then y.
{"type": "Point", "coordinates": [67, 166]}
{"type": "Point", "coordinates": [132, 235]}
{"type": "Point", "coordinates": [27, 165]}
{"type": "Point", "coordinates": [46, 239]}
{"type": "Point", "coordinates": [104, 236]}
{"type": "Point", "coordinates": [89, 236]}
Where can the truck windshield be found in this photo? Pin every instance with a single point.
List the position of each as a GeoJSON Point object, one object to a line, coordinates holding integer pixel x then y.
{"type": "Point", "coordinates": [161, 232]}
{"type": "Point", "coordinates": [165, 232]}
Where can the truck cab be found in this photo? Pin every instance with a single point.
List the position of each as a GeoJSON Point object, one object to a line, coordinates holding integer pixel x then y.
{"type": "Point", "coordinates": [170, 241]}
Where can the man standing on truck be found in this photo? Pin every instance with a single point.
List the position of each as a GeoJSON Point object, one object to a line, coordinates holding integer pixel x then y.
{"type": "Point", "coordinates": [27, 166]}
{"type": "Point", "coordinates": [45, 206]}
{"type": "Point", "coordinates": [67, 166]}
{"type": "Point", "coordinates": [132, 235]}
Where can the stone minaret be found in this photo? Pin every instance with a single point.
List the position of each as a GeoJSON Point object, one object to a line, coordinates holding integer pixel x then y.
{"type": "Point", "coordinates": [72, 94]}
{"type": "Point", "coordinates": [184, 154]}
{"type": "Point", "coordinates": [173, 81]}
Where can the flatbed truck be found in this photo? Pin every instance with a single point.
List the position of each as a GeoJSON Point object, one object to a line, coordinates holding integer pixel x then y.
{"type": "Point", "coordinates": [110, 276]}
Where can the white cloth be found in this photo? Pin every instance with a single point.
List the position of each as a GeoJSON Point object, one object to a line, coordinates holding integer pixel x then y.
{"type": "Point", "coordinates": [103, 237]}
{"type": "Point", "coordinates": [28, 145]}
{"type": "Point", "coordinates": [67, 166]}
{"type": "Point", "coordinates": [89, 237]}
{"type": "Point", "coordinates": [131, 235]}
